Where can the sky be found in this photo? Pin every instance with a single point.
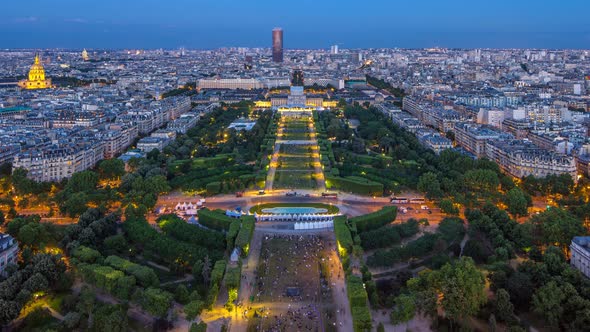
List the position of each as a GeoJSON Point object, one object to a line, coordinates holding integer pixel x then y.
{"type": "Point", "coordinates": [312, 24]}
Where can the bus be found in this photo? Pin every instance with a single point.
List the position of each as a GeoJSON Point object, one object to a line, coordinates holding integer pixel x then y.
{"type": "Point", "coordinates": [399, 200]}
{"type": "Point", "coordinates": [332, 195]}
{"type": "Point", "coordinates": [417, 201]}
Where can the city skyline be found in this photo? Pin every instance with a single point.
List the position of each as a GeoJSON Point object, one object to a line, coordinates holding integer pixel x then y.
{"type": "Point", "coordinates": [379, 24]}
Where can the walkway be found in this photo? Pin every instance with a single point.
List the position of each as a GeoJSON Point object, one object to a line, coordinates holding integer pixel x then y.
{"type": "Point", "coordinates": [272, 169]}
{"type": "Point", "coordinates": [247, 286]}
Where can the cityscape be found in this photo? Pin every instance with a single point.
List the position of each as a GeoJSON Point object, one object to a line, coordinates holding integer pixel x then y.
{"type": "Point", "coordinates": [281, 188]}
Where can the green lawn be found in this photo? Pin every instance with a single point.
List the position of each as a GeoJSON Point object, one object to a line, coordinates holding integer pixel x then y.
{"type": "Point", "coordinates": [258, 208]}
{"type": "Point", "coordinates": [296, 136]}
{"type": "Point", "coordinates": [294, 180]}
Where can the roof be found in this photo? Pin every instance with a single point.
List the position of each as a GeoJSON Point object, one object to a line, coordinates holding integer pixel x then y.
{"type": "Point", "coordinates": [15, 109]}
{"type": "Point", "coordinates": [6, 241]}
{"type": "Point", "coordinates": [582, 241]}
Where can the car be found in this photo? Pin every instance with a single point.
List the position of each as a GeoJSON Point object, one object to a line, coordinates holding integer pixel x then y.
{"type": "Point", "coordinates": [307, 195]}
{"type": "Point", "coordinates": [261, 192]}
{"type": "Point", "coordinates": [429, 212]}
{"type": "Point", "coordinates": [410, 208]}
{"type": "Point", "coordinates": [424, 207]}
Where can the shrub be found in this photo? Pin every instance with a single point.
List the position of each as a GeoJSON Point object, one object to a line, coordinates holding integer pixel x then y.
{"type": "Point", "coordinates": [343, 235]}
{"type": "Point", "coordinates": [87, 255]}
{"type": "Point", "coordinates": [245, 234]}
{"type": "Point", "coordinates": [214, 220]}
{"type": "Point", "coordinates": [144, 275]}
{"type": "Point", "coordinates": [375, 220]}
{"type": "Point", "coordinates": [355, 184]}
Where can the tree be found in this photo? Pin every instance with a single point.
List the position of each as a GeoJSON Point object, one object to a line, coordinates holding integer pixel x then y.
{"type": "Point", "coordinates": [557, 227]}
{"type": "Point", "coordinates": [428, 183]}
{"type": "Point", "coordinates": [481, 180]}
{"type": "Point", "coordinates": [452, 229]}
{"type": "Point", "coordinates": [115, 244]}
{"type": "Point", "coordinates": [460, 284]}
{"type": "Point", "coordinates": [447, 206]}
{"type": "Point", "coordinates": [111, 169]}
{"type": "Point", "coordinates": [86, 303]}
{"type": "Point", "coordinates": [84, 181]}
{"type": "Point", "coordinates": [9, 310]}
{"type": "Point", "coordinates": [76, 204]}
{"type": "Point", "coordinates": [503, 308]}
{"type": "Point", "coordinates": [111, 318]}
{"type": "Point", "coordinates": [463, 288]}
{"type": "Point", "coordinates": [156, 301]}
{"type": "Point", "coordinates": [548, 301]}
{"type": "Point", "coordinates": [516, 201]}
{"type": "Point", "coordinates": [2, 218]}
{"type": "Point", "coordinates": [206, 270]}
{"type": "Point", "coordinates": [181, 295]}
{"type": "Point", "coordinates": [193, 309]}
{"type": "Point", "coordinates": [404, 309]}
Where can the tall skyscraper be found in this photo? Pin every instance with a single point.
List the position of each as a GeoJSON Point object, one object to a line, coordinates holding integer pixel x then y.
{"type": "Point", "coordinates": [334, 49]}
{"type": "Point", "coordinates": [277, 45]}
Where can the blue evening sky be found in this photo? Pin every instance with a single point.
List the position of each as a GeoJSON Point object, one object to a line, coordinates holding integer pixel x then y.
{"type": "Point", "coordinates": [307, 23]}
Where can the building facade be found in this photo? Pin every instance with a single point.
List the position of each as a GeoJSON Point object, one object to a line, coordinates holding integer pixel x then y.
{"type": "Point", "coordinates": [580, 250]}
{"type": "Point", "coordinates": [277, 45]}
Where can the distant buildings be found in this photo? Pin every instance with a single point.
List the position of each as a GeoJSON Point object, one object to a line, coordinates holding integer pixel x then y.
{"type": "Point", "coordinates": [8, 252]}
{"type": "Point", "coordinates": [230, 83]}
{"type": "Point", "coordinates": [277, 45]}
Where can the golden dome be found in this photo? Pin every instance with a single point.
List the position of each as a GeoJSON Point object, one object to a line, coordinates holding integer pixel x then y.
{"type": "Point", "coordinates": [37, 72]}
{"type": "Point", "coordinates": [37, 78]}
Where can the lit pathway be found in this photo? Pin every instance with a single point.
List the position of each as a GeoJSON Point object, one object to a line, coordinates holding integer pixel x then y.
{"type": "Point", "coordinates": [247, 285]}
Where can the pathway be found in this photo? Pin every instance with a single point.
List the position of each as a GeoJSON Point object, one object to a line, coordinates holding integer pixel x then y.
{"type": "Point", "coordinates": [247, 285]}
{"type": "Point", "coordinates": [272, 169]}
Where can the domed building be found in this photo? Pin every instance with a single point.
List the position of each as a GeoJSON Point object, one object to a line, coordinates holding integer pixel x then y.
{"type": "Point", "coordinates": [85, 56]}
{"type": "Point", "coordinates": [37, 78]}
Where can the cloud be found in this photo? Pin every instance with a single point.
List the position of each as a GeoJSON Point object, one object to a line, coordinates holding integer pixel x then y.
{"type": "Point", "coordinates": [76, 20]}
{"type": "Point", "coordinates": [29, 19]}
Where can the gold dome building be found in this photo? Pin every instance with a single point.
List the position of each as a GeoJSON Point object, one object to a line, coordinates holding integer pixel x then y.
{"type": "Point", "coordinates": [37, 78]}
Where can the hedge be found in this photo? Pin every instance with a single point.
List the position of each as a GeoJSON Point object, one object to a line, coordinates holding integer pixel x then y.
{"type": "Point", "coordinates": [145, 237]}
{"type": "Point", "coordinates": [361, 319]}
{"type": "Point", "coordinates": [354, 184]}
{"type": "Point", "coordinates": [359, 307]}
{"type": "Point", "coordinates": [389, 235]}
{"type": "Point", "coordinates": [218, 271]}
{"type": "Point", "coordinates": [216, 277]}
{"type": "Point", "coordinates": [144, 275]}
{"type": "Point", "coordinates": [213, 188]}
{"type": "Point", "coordinates": [230, 236]}
{"type": "Point", "coordinates": [357, 295]}
{"type": "Point", "coordinates": [198, 327]}
{"type": "Point", "coordinates": [214, 220]}
{"type": "Point", "coordinates": [179, 229]}
{"type": "Point", "coordinates": [375, 220]}
{"type": "Point", "coordinates": [232, 277]}
{"type": "Point", "coordinates": [245, 234]}
{"type": "Point", "coordinates": [113, 281]}
{"type": "Point", "coordinates": [343, 235]}
{"type": "Point", "coordinates": [156, 301]}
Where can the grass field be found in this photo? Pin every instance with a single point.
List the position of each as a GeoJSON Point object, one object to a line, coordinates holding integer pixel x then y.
{"type": "Point", "coordinates": [295, 179]}
{"type": "Point", "coordinates": [258, 208]}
